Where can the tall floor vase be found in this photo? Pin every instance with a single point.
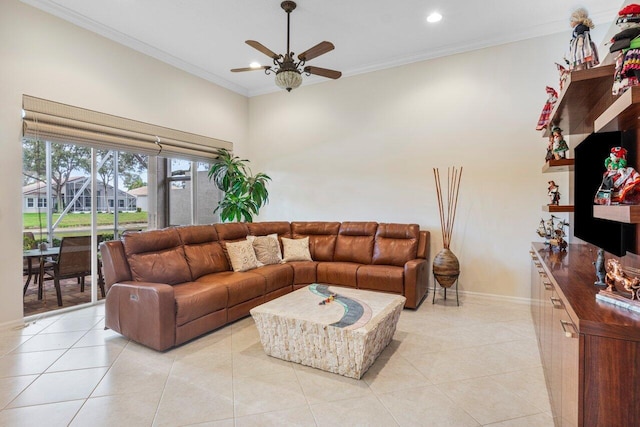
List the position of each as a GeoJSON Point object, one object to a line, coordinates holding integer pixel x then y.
{"type": "Point", "coordinates": [446, 270]}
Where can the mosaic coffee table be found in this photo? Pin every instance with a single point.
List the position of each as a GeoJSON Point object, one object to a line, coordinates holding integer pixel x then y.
{"type": "Point", "coordinates": [336, 329]}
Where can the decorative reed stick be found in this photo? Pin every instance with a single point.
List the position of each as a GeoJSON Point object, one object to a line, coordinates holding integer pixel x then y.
{"type": "Point", "coordinates": [453, 187]}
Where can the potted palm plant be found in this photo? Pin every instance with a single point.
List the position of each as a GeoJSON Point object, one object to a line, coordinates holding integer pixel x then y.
{"type": "Point", "coordinates": [244, 193]}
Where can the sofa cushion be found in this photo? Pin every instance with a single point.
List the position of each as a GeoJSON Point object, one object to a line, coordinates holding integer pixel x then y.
{"type": "Point", "coordinates": [267, 249]}
{"type": "Point", "coordinates": [206, 258]}
{"type": "Point", "coordinates": [156, 256]}
{"type": "Point", "coordinates": [168, 266]}
{"type": "Point", "coordinates": [355, 242]}
{"type": "Point", "coordinates": [395, 244]}
{"type": "Point", "coordinates": [296, 249]}
{"type": "Point", "coordinates": [232, 230]}
{"type": "Point", "coordinates": [338, 273]}
{"type": "Point", "coordinates": [281, 228]}
{"type": "Point", "coordinates": [385, 278]}
{"type": "Point", "coordinates": [241, 255]}
{"type": "Point", "coordinates": [195, 234]}
{"type": "Point", "coordinates": [276, 276]}
{"type": "Point", "coordinates": [304, 272]}
{"type": "Point", "coordinates": [194, 300]}
{"type": "Point", "coordinates": [322, 237]}
{"type": "Point", "coordinates": [241, 287]}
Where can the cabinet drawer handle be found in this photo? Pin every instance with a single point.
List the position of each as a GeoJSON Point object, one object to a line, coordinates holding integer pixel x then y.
{"type": "Point", "coordinates": [548, 286]}
{"type": "Point", "coordinates": [556, 302]}
{"type": "Point", "coordinates": [568, 334]}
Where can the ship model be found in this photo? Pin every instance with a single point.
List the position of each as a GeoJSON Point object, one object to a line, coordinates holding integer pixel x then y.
{"type": "Point", "coordinates": [553, 232]}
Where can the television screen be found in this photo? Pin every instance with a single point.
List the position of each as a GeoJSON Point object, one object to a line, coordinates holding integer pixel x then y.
{"type": "Point", "coordinates": [614, 237]}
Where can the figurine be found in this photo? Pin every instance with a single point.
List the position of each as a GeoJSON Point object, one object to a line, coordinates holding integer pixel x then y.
{"type": "Point", "coordinates": [583, 53]}
{"type": "Point", "coordinates": [543, 121]}
{"type": "Point", "coordinates": [627, 44]}
{"type": "Point", "coordinates": [549, 155]}
{"type": "Point", "coordinates": [616, 279]}
{"type": "Point", "coordinates": [554, 193]}
{"type": "Point", "coordinates": [620, 183]}
{"type": "Point", "coordinates": [553, 233]}
{"type": "Point", "coordinates": [560, 146]}
{"type": "Point", "coordinates": [563, 73]}
{"type": "Point", "coordinates": [601, 273]}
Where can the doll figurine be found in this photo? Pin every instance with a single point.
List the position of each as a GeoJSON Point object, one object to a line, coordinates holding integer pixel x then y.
{"type": "Point", "coordinates": [554, 193]}
{"type": "Point", "coordinates": [543, 121]}
{"type": "Point", "coordinates": [620, 183]}
{"type": "Point", "coordinates": [563, 73]}
{"type": "Point", "coordinates": [583, 53]}
{"type": "Point", "coordinates": [626, 46]}
{"type": "Point", "coordinates": [549, 155]}
{"type": "Point", "coordinates": [560, 146]}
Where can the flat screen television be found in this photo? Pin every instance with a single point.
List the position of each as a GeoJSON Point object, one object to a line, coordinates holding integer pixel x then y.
{"type": "Point", "coordinates": [614, 237]}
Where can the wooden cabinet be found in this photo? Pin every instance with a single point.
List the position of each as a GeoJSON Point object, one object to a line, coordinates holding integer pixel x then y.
{"type": "Point", "coordinates": [590, 350]}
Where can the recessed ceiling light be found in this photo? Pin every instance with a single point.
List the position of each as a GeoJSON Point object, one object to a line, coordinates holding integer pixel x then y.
{"type": "Point", "coordinates": [255, 65]}
{"type": "Point", "coordinates": [434, 17]}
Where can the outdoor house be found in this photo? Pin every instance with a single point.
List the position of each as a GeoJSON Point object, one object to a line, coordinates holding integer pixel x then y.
{"type": "Point", "coordinates": [77, 192]}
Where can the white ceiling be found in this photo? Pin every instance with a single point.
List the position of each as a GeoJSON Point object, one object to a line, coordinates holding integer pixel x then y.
{"type": "Point", "coordinates": [206, 37]}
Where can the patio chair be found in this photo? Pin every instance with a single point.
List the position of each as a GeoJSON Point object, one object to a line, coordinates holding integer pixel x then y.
{"type": "Point", "coordinates": [74, 261]}
{"type": "Point", "coordinates": [29, 265]}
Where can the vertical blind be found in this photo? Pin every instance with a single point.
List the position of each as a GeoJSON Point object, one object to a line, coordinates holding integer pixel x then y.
{"type": "Point", "coordinates": [56, 122]}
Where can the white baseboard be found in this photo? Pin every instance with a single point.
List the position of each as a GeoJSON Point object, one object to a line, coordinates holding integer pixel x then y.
{"type": "Point", "coordinates": [451, 292]}
{"type": "Point", "coordinates": [13, 324]}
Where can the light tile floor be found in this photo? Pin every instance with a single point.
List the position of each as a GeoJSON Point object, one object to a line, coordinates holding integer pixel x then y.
{"type": "Point", "coordinates": [477, 364]}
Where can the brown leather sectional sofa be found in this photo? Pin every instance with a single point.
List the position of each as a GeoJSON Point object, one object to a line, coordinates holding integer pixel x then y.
{"type": "Point", "coordinates": [165, 287]}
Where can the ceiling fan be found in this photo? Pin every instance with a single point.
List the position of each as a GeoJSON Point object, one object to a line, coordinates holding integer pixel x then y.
{"type": "Point", "coordinates": [288, 71]}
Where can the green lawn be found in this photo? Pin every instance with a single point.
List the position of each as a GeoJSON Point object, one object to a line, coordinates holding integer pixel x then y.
{"type": "Point", "coordinates": [30, 220]}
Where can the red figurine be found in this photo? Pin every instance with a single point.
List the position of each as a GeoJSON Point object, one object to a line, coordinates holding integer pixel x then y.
{"type": "Point", "coordinates": [543, 121]}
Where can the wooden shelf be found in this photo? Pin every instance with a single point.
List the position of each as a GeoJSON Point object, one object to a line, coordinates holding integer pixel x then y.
{"type": "Point", "coordinates": [557, 208]}
{"type": "Point", "coordinates": [586, 95]}
{"type": "Point", "coordinates": [562, 165]}
{"type": "Point", "coordinates": [622, 114]}
{"type": "Point", "coordinates": [629, 214]}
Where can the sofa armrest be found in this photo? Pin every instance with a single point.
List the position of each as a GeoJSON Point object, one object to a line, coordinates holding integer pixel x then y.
{"type": "Point", "coordinates": [144, 312]}
{"type": "Point", "coordinates": [423, 244]}
{"type": "Point", "coordinates": [416, 281]}
{"type": "Point", "coordinates": [114, 263]}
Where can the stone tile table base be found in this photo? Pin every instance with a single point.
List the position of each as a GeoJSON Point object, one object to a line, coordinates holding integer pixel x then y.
{"type": "Point", "coordinates": [343, 335]}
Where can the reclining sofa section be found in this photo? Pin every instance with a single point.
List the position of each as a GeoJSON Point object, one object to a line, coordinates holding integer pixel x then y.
{"type": "Point", "coordinates": [165, 287]}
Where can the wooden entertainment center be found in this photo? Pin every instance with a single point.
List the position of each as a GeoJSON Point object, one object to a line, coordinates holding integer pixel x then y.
{"type": "Point", "coordinates": [590, 349]}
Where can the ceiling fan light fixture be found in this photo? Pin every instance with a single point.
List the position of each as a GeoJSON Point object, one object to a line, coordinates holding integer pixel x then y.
{"type": "Point", "coordinates": [255, 65]}
{"type": "Point", "coordinates": [288, 79]}
{"type": "Point", "coordinates": [434, 17]}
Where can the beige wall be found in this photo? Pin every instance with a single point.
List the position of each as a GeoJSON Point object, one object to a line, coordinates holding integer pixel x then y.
{"type": "Point", "coordinates": [360, 148]}
{"type": "Point", "coordinates": [49, 58]}
{"type": "Point", "coordinates": [363, 148]}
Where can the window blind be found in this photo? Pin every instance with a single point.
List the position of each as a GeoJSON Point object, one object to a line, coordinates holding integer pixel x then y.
{"type": "Point", "coordinates": [52, 121]}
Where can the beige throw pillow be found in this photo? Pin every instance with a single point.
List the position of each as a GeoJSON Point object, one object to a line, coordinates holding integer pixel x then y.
{"type": "Point", "coordinates": [241, 255]}
{"type": "Point", "coordinates": [266, 248]}
{"type": "Point", "coordinates": [296, 249]}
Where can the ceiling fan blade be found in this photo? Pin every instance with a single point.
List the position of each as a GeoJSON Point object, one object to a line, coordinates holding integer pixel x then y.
{"type": "Point", "coordinates": [319, 49]}
{"type": "Point", "coordinates": [324, 72]}
{"type": "Point", "coordinates": [262, 48]}
{"type": "Point", "coordinates": [264, 67]}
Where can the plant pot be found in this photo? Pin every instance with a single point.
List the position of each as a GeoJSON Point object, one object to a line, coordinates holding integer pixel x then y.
{"type": "Point", "coordinates": [446, 268]}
